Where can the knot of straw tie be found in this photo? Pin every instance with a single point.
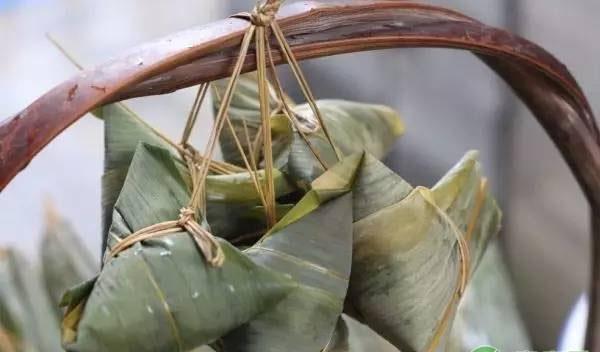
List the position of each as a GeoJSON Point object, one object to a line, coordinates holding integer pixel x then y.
{"type": "Point", "coordinates": [263, 14]}
{"type": "Point", "coordinates": [185, 215]}
{"type": "Point", "coordinates": [206, 242]}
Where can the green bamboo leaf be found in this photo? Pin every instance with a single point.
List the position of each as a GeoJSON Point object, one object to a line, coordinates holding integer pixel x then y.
{"type": "Point", "coordinates": [312, 244]}
{"type": "Point", "coordinates": [488, 313]}
{"type": "Point", "coordinates": [352, 336]}
{"type": "Point", "coordinates": [122, 133]}
{"type": "Point", "coordinates": [408, 269]}
{"type": "Point", "coordinates": [160, 294]}
{"type": "Point", "coordinates": [26, 315]}
{"type": "Point", "coordinates": [232, 198]}
{"type": "Point", "coordinates": [65, 259]}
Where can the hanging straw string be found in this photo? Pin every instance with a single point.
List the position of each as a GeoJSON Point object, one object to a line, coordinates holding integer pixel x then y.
{"type": "Point", "coordinates": [295, 67]}
{"type": "Point", "coordinates": [250, 165]}
{"type": "Point", "coordinates": [262, 17]}
{"type": "Point", "coordinates": [193, 116]}
{"type": "Point", "coordinates": [287, 110]}
{"type": "Point", "coordinates": [265, 114]}
{"type": "Point", "coordinates": [198, 194]}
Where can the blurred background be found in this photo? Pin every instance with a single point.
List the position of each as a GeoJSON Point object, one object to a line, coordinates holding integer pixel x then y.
{"type": "Point", "coordinates": [449, 100]}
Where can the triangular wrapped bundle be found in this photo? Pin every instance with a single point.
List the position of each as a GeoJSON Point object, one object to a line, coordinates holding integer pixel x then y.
{"type": "Point", "coordinates": [414, 250]}
{"type": "Point", "coordinates": [27, 321]}
{"type": "Point", "coordinates": [313, 245]}
{"type": "Point", "coordinates": [354, 128]}
{"type": "Point", "coordinates": [488, 312]}
{"type": "Point", "coordinates": [161, 294]}
{"type": "Point", "coordinates": [65, 259]}
{"type": "Point", "coordinates": [232, 199]}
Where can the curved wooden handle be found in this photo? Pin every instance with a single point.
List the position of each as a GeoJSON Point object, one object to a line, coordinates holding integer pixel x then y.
{"type": "Point", "coordinates": [315, 30]}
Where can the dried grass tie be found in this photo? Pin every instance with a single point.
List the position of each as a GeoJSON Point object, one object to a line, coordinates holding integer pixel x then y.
{"type": "Point", "coordinates": [205, 241]}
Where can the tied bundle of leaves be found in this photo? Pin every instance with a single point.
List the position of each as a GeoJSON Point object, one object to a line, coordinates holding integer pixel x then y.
{"type": "Point", "coordinates": [313, 245]}
{"type": "Point", "coordinates": [161, 294]}
{"type": "Point", "coordinates": [65, 259]}
{"type": "Point", "coordinates": [27, 321]}
{"type": "Point", "coordinates": [354, 128]}
{"type": "Point", "coordinates": [233, 202]}
{"type": "Point", "coordinates": [411, 258]}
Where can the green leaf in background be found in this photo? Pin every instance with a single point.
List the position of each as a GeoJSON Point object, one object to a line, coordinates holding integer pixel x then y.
{"type": "Point", "coordinates": [312, 244]}
{"type": "Point", "coordinates": [232, 199]}
{"type": "Point", "coordinates": [352, 336]}
{"type": "Point", "coordinates": [354, 127]}
{"type": "Point", "coordinates": [65, 259]}
{"type": "Point", "coordinates": [160, 294]}
{"type": "Point", "coordinates": [407, 267]}
{"type": "Point", "coordinates": [26, 315]}
{"type": "Point", "coordinates": [488, 313]}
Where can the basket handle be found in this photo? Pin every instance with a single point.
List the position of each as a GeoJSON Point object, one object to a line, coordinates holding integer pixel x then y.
{"type": "Point", "coordinates": [316, 30]}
